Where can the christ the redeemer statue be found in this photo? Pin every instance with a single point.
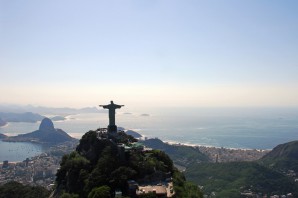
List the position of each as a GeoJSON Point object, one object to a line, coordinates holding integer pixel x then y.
{"type": "Point", "coordinates": [112, 107]}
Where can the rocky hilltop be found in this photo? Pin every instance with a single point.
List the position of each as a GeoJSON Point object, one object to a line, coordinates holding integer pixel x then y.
{"type": "Point", "coordinates": [45, 134]}
{"type": "Point", "coordinates": [106, 165]}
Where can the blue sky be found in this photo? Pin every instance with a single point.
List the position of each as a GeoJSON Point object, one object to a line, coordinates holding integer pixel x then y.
{"type": "Point", "coordinates": [151, 52]}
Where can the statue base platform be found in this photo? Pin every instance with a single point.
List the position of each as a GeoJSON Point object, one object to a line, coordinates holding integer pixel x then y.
{"type": "Point", "coordinates": [112, 129]}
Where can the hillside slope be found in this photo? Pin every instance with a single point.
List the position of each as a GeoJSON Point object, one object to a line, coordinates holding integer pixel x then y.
{"type": "Point", "coordinates": [180, 154]}
{"type": "Point", "coordinates": [268, 175]}
{"type": "Point", "coordinates": [232, 179]}
{"type": "Point", "coordinates": [283, 157]}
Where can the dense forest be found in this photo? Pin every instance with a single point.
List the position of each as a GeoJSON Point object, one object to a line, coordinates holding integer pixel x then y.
{"type": "Point", "coordinates": [17, 190]}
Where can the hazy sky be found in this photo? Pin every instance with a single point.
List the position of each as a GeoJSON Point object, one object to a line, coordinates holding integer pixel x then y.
{"type": "Point", "coordinates": [149, 52]}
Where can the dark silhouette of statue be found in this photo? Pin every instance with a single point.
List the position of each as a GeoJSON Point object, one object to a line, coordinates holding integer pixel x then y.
{"type": "Point", "coordinates": [112, 107]}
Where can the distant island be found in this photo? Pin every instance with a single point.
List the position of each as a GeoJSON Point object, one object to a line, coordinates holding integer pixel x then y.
{"type": "Point", "coordinates": [2, 122]}
{"type": "Point", "coordinates": [145, 114]}
{"type": "Point", "coordinates": [58, 118]}
{"type": "Point", "coordinates": [45, 134]}
{"type": "Point", "coordinates": [133, 134]}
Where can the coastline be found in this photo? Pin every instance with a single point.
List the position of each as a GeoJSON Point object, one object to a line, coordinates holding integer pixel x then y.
{"type": "Point", "coordinates": [210, 146]}
{"type": "Point", "coordinates": [223, 154]}
{"type": "Point", "coordinates": [175, 143]}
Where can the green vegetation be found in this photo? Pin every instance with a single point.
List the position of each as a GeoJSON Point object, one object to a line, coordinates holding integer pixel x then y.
{"type": "Point", "coordinates": [100, 192]}
{"type": "Point", "coordinates": [67, 195]}
{"type": "Point", "coordinates": [17, 190]}
{"type": "Point", "coordinates": [230, 179]}
{"type": "Point", "coordinates": [283, 157]}
{"type": "Point", "coordinates": [185, 189]}
{"type": "Point", "coordinates": [99, 167]}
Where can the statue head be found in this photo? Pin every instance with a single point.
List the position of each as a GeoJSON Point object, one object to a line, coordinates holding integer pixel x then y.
{"type": "Point", "coordinates": [112, 102]}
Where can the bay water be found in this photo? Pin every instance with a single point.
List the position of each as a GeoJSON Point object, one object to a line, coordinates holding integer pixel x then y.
{"type": "Point", "coordinates": [246, 128]}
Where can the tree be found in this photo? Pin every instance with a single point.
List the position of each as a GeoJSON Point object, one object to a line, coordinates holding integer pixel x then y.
{"type": "Point", "coordinates": [100, 192]}
{"type": "Point", "coordinates": [67, 195]}
{"type": "Point", "coordinates": [72, 172]}
{"type": "Point", "coordinates": [120, 176]}
{"type": "Point", "coordinates": [17, 190]}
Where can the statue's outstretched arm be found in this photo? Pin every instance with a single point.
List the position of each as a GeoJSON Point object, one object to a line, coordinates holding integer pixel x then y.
{"type": "Point", "coordinates": [119, 106]}
{"type": "Point", "coordinates": [104, 106]}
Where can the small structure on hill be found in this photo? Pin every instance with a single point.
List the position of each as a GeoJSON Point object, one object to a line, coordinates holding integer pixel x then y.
{"type": "Point", "coordinates": [112, 128]}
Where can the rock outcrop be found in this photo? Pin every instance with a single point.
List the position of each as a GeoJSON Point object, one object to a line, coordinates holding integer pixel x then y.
{"type": "Point", "coordinates": [46, 125]}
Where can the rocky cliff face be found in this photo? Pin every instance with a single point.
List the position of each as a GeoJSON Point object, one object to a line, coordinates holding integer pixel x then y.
{"type": "Point", "coordinates": [46, 125]}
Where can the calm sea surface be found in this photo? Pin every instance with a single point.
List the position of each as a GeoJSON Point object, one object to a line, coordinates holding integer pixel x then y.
{"type": "Point", "coordinates": [18, 151]}
{"type": "Point", "coordinates": [259, 128]}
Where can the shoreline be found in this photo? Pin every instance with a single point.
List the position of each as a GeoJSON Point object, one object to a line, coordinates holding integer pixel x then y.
{"type": "Point", "coordinates": [216, 147]}
{"type": "Point", "coordinates": [175, 143]}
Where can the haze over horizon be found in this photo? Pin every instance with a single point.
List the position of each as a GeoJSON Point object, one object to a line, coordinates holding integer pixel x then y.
{"type": "Point", "coordinates": [149, 53]}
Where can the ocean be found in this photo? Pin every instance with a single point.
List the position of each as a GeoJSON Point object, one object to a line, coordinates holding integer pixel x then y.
{"type": "Point", "coordinates": [246, 128]}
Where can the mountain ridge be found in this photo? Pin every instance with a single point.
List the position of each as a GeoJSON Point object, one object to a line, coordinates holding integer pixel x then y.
{"type": "Point", "coordinates": [283, 157]}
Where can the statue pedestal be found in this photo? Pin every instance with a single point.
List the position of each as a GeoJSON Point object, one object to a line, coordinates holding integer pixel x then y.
{"type": "Point", "coordinates": [112, 129]}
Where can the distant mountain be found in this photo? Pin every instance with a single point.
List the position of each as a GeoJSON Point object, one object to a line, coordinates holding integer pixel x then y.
{"type": "Point", "coordinates": [2, 122]}
{"type": "Point", "coordinates": [180, 154]}
{"type": "Point", "coordinates": [133, 134]}
{"type": "Point", "coordinates": [2, 136]}
{"type": "Point", "coordinates": [48, 110]}
{"type": "Point", "coordinates": [284, 157]}
{"type": "Point", "coordinates": [20, 117]}
{"type": "Point", "coordinates": [45, 134]}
